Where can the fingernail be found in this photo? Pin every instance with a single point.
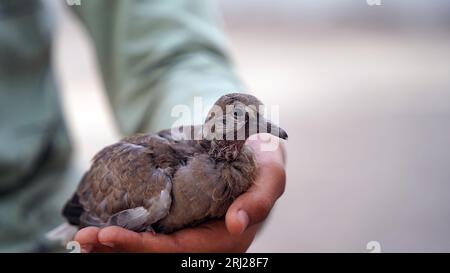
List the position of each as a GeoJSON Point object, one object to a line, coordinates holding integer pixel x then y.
{"type": "Point", "coordinates": [108, 244]}
{"type": "Point", "coordinates": [244, 219]}
{"type": "Point", "coordinates": [86, 248]}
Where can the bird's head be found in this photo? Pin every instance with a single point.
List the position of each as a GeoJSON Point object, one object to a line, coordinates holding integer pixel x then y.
{"type": "Point", "coordinates": [236, 117]}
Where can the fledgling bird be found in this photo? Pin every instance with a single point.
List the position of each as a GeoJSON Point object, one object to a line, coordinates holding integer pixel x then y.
{"type": "Point", "coordinates": [172, 179]}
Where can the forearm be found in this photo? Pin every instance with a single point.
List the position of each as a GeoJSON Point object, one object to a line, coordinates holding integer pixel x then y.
{"type": "Point", "coordinates": [157, 54]}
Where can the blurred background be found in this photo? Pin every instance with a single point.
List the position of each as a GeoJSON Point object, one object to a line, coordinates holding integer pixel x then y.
{"type": "Point", "coordinates": [364, 93]}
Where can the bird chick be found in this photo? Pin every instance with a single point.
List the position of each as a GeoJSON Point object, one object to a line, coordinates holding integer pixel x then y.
{"type": "Point", "coordinates": [174, 178]}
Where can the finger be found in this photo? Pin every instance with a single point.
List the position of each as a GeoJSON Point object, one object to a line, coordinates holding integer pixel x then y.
{"type": "Point", "coordinates": [87, 238]}
{"type": "Point", "coordinates": [264, 154]}
{"type": "Point", "coordinates": [119, 238]}
{"type": "Point", "coordinates": [254, 205]}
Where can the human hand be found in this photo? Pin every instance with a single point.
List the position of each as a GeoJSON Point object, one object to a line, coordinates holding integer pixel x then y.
{"type": "Point", "coordinates": [234, 234]}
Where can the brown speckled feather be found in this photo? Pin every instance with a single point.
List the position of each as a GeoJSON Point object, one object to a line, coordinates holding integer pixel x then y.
{"type": "Point", "coordinates": [127, 175]}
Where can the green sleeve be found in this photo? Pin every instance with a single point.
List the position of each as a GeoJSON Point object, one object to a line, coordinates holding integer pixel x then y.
{"type": "Point", "coordinates": [157, 54]}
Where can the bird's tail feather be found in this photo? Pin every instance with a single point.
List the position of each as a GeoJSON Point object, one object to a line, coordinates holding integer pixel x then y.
{"type": "Point", "coordinates": [63, 233]}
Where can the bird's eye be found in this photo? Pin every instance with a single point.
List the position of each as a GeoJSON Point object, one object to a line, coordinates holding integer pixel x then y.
{"type": "Point", "coordinates": [238, 113]}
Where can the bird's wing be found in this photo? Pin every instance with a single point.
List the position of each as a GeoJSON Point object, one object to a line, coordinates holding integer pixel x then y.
{"type": "Point", "coordinates": [125, 176]}
{"type": "Point", "coordinates": [133, 219]}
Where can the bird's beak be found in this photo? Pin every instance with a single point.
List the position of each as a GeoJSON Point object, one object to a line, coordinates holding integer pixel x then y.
{"type": "Point", "coordinates": [266, 126]}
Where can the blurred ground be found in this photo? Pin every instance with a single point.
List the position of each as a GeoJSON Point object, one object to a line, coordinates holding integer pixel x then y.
{"type": "Point", "coordinates": [367, 112]}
